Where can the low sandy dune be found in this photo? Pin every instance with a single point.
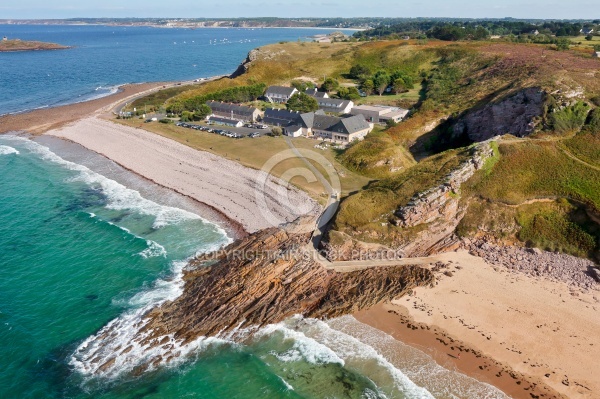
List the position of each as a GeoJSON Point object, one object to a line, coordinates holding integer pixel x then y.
{"type": "Point", "coordinates": [247, 196]}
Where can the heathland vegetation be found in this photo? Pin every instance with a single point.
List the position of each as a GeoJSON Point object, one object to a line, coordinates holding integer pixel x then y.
{"type": "Point", "coordinates": [540, 188]}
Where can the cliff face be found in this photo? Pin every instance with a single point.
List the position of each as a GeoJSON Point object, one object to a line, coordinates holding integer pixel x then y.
{"type": "Point", "coordinates": [261, 279]}
{"type": "Point", "coordinates": [243, 67]}
{"type": "Point", "coordinates": [432, 217]}
{"type": "Point", "coordinates": [514, 115]}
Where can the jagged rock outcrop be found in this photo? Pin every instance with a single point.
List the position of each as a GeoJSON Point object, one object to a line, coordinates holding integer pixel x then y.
{"type": "Point", "coordinates": [269, 276]}
{"type": "Point", "coordinates": [431, 217]}
{"type": "Point", "coordinates": [243, 67]}
{"type": "Point", "coordinates": [513, 115]}
{"type": "Point", "coordinates": [442, 201]}
{"type": "Point", "coordinates": [261, 279]}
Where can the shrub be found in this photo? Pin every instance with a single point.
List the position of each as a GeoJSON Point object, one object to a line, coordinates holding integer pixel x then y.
{"type": "Point", "coordinates": [569, 119]}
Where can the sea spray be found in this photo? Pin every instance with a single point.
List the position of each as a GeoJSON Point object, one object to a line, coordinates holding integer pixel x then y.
{"type": "Point", "coordinates": [6, 150]}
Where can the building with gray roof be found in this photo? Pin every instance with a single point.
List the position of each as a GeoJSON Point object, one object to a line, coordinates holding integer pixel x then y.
{"type": "Point", "coordinates": [280, 94]}
{"type": "Point", "coordinates": [316, 93]}
{"type": "Point", "coordinates": [335, 105]}
{"type": "Point", "coordinates": [234, 111]}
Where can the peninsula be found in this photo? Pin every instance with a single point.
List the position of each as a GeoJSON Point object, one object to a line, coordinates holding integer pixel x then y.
{"type": "Point", "coordinates": [24, 45]}
{"type": "Point", "coordinates": [486, 193]}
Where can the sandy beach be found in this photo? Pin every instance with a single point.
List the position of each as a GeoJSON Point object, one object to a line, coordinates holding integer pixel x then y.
{"type": "Point", "coordinates": [42, 120]}
{"type": "Point", "coordinates": [528, 336]}
{"type": "Point", "coordinates": [219, 183]}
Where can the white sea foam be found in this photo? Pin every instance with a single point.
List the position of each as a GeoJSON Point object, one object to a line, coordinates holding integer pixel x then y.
{"type": "Point", "coordinates": [6, 150]}
{"type": "Point", "coordinates": [303, 347]}
{"type": "Point", "coordinates": [287, 384]}
{"type": "Point", "coordinates": [319, 341]}
{"type": "Point", "coordinates": [118, 196]}
{"type": "Point", "coordinates": [124, 343]}
{"type": "Point", "coordinates": [416, 365]}
{"type": "Point", "coordinates": [100, 92]}
{"type": "Point", "coordinates": [154, 250]}
{"type": "Point", "coordinates": [121, 342]}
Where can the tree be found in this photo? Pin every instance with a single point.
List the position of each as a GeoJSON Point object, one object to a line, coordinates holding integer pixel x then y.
{"type": "Point", "coordinates": [398, 85]}
{"type": "Point", "coordinates": [176, 108]}
{"type": "Point", "coordinates": [343, 92]}
{"type": "Point", "coordinates": [352, 94]}
{"type": "Point", "coordinates": [408, 80]}
{"type": "Point", "coordinates": [276, 131]}
{"type": "Point", "coordinates": [358, 71]}
{"type": "Point", "coordinates": [480, 33]}
{"type": "Point", "coordinates": [330, 84]}
{"type": "Point", "coordinates": [381, 80]}
{"type": "Point", "coordinates": [302, 102]}
{"type": "Point", "coordinates": [589, 37]}
{"type": "Point", "coordinates": [202, 112]}
{"type": "Point", "coordinates": [187, 116]}
{"type": "Point", "coordinates": [302, 85]}
{"type": "Point", "coordinates": [368, 86]}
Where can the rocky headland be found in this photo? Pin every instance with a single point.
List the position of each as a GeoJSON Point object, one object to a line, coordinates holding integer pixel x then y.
{"type": "Point", "coordinates": [261, 279]}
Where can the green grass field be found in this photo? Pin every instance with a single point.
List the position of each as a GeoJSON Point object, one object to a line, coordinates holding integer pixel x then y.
{"type": "Point", "coordinates": [255, 152]}
{"type": "Point", "coordinates": [529, 170]}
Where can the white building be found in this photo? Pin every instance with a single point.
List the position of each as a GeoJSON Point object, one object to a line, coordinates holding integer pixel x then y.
{"type": "Point", "coordinates": [280, 94]}
{"type": "Point", "coordinates": [380, 113]}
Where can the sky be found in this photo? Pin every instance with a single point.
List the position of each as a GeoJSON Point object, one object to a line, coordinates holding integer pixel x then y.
{"type": "Point", "coordinates": [542, 9]}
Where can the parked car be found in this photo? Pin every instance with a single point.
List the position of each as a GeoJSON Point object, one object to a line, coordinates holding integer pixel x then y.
{"type": "Point", "coordinates": [254, 134]}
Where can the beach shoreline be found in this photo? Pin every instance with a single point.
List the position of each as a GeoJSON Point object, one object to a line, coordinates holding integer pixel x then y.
{"type": "Point", "coordinates": [529, 337]}
{"type": "Point", "coordinates": [407, 324]}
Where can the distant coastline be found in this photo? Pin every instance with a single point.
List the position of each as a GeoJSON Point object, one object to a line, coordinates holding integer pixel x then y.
{"type": "Point", "coordinates": [16, 45]}
{"type": "Point", "coordinates": [190, 23]}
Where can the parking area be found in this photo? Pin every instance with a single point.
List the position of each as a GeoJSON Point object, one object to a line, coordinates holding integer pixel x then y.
{"type": "Point", "coordinates": [228, 131]}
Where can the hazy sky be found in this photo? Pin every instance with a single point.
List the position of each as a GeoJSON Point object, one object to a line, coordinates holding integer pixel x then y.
{"type": "Point", "coordinates": [297, 8]}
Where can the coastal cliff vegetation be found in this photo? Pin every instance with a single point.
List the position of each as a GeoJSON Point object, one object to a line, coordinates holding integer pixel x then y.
{"type": "Point", "coordinates": [535, 104]}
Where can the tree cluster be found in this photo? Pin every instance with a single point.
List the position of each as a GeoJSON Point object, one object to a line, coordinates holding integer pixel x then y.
{"type": "Point", "coordinates": [302, 102]}
{"type": "Point", "coordinates": [239, 94]}
{"type": "Point", "coordinates": [472, 29]}
{"type": "Point", "coordinates": [379, 81]}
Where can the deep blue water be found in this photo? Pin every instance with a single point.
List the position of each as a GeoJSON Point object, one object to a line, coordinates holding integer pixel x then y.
{"type": "Point", "coordinates": [103, 57]}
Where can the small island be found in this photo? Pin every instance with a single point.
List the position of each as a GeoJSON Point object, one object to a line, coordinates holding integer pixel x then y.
{"type": "Point", "coordinates": [23, 45]}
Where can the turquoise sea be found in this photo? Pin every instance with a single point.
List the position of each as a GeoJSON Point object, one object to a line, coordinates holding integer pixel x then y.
{"type": "Point", "coordinates": [84, 243]}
